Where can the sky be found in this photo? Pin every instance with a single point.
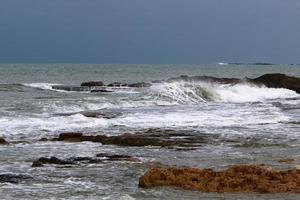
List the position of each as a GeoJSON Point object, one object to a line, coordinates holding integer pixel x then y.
{"type": "Point", "coordinates": [149, 31]}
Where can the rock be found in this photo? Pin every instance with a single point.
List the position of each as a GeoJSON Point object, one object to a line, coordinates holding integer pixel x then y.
{"type": "Point", "coordinates": [139, 84]}
{"type": "Point", "coordinates": [83, 160]}
{"type": "Point", "coordinates": [71, 88]}
{"type": "Point", "coordinates": [13, 178]}
{"type": "Point", "coordinates": [92, 83]}
{"type": "Point", "coordinates": [70, 137]}
{"type": "Point", "coordinates": [37, 163]}
{"type": "Point", "coordinates": [239, 178]}
{"type": "Point", "coordinates": [117, 84]}
{"type": "Point", "coordinates": [3, 141]}
{"type": "Point", "coordinates": [118, 157]}
{"type": "Point", "coordinates": [101, 114]}
{"type": "Point", "coordinates": [279, 81]}
{"type": "Point", "coordinates": [286, 160]}
{"type": "Point", "coordinates": [151, 137]}
{"type": "Point", "coordinates": [52, 160]}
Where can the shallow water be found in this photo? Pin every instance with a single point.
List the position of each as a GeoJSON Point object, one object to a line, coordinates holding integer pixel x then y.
{"type": "Point", "coordinates": [241, 123]}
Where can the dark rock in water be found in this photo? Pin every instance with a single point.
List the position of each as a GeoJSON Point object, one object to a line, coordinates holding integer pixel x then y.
{"type": "Point", "coordinates": [53, 160]}
{"type": "Point", "coordinates": [140, 84]}
{"type": "Point", "coordinates": [117, 84]}
{"type": "Point", "coordinates": [238, 178]}
{"type": "Point", "coordinates": [92, 83]}
{"type": "Point", "coordinates": [72, 137]}
{"type": "Point", "coordinates": [118, 157]}
{"type": "Point", "coordinates": [83, 160]}
{"type": "Point", "coordinates": [279, 81]}
{"type": "Point", "coordinates": [71, 88]}
{"type": "Point", "coordinates": [13, 178]}
{"type": "Point", "coordinates": [3, 141]}
{"type": "Point", "coordinates": [101, 114]}
{"type": "Point", "coordinates": [37, 163]}
{"type": "Point", "coordinates": [151, 137]}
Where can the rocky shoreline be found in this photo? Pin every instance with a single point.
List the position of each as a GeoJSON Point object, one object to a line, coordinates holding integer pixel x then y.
{"type": "Point", "coordinates": [275, 80]}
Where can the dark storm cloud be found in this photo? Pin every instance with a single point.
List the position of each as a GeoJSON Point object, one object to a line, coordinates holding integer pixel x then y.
{"type": "Point", "coordinates": [150, 31]}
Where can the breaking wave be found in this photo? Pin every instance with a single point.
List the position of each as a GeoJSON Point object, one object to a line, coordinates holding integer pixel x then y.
{"type": "Point", "coordinates": [195, 92]}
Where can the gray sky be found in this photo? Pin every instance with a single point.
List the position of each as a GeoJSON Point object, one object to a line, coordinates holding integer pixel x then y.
{"type": "Point", "coordinates": [149, 31]}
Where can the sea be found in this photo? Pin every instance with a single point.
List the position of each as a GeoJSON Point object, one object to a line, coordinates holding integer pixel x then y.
{"type": "Point", "coordinates": [243, 123]}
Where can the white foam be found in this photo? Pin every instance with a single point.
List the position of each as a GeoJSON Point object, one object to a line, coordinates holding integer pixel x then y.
{"type": "Point", "coordinates": [43, 86]}
{"type": "Point", "coordinates": [198, 92]}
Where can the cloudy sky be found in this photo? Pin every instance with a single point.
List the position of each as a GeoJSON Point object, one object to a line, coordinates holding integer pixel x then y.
{"type": "Point", "coordinates": [149, 31]}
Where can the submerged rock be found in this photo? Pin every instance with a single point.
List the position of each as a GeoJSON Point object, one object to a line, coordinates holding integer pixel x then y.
{"type": "Point", "coordinates": [286, 160]}
{"type": "Point", "coordinates": [3, 141]}
{"type": "Point", "coordinates": [70, 137]}
{"type": "Point", "coordinates": [151, 137]}
{"type": "Point", "coordinates": [92, 83]}
{"type": "Point", "coordinates": [239, 178]}
{"type": "Point", "coordinates": [83, 160]}
{"type": "Point", "coordinates": [13, 178]}
{"type": "Point", "coordinates": [279, 81]}
{"type": "Point", "coordinates": [71, 88]}
{"type": "Point", "coordinates": [139, 84]}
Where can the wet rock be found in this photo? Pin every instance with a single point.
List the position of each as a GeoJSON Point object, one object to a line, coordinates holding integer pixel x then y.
{"type": "Point", "coordinates": [71, 88]}
{"type": "Point", "coordinates": [13, 178]}
{"type": "Point", "coordinates": [239, 178]}
{"type": "Point", "coordinates": [53, 160]}
{"type": "Point", "coordinates": [3, 141]}
{"type": "Point", "coordinates": [151, 137]}
{"type": "Point", "coordinates": [279, 81]}
{"type": "Point", "coordinates": [286, 160]}
{"type": "Point", "coordinates": [83, 160]}
{"type": "Point", "coordinates": [92, 83]}
{"type": "Point", "coordinates": [139, 84]}
{"type": "Point", "coordinates": [101, 114]}
{"type": "Point", "coordinates": [117, 84]}
{"type": "Point", "coordinates": [70, 137]}
{"type": "Point", "coordinates": [37, 163]}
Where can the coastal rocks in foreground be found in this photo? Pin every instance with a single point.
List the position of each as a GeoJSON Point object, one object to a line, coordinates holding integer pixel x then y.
{"type": "Point", "coordinates": [83, 160]}
{"type": "Point", "coordinates": [3, 141]}
{"type": "Point", "coordinates": [239, 178]}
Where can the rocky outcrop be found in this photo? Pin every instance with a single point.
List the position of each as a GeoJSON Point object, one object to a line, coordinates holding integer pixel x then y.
{"type": "Point", "coordinates": [279, 81]}
{"type": "Point", "coordinates": [239, 178]}
{"type": "Point", "coordinates": [3, 141]}
{"type": "Point", "coordinates": [139, 84]}
{"type": "Point", "coordinates": [92, 83]}
{"type": "Point", "coordinates": [152, 137]}
{"type": "Point", "coordinates": [14, 178]}
{"type": "Point", "coordinates": [83, 160]}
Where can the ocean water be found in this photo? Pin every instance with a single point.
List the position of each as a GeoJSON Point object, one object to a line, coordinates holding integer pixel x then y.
{"type": "Point", "coordinates": [245, 123]}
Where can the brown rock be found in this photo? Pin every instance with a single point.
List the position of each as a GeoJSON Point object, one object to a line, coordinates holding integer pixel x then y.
{"type": "Point", "coordinates": [239, 178]}
{"type": "Point", "coordinates": [37, 163]}
{"type": "Point", "coordinates": [3, 141]}
{"type": "Point", "coordinates": [286, 160]}
{"type": "Point", "coordinates": [70, 137]}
